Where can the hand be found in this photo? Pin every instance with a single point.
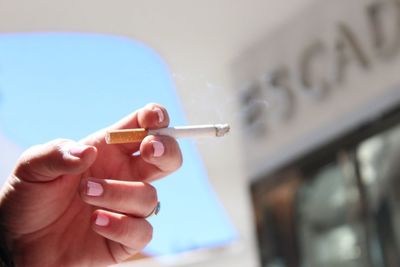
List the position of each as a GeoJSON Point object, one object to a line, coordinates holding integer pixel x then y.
{"type": "Point", "coordinates": [84, 203]}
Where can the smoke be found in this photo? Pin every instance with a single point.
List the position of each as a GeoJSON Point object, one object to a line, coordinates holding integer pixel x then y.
{"type": "Point", "coordinates": [213, 103]}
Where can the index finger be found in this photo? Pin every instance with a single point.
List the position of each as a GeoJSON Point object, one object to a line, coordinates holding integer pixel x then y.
{"type": "Point", "coordinates": [151, 116]}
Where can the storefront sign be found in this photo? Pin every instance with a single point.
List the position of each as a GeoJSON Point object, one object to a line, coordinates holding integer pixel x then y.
{"type": "Point", "coordinates": [337, 55]}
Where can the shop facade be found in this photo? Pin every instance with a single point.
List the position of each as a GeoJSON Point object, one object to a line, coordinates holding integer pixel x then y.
{"type": "Point", "coordinates": [320, 100]}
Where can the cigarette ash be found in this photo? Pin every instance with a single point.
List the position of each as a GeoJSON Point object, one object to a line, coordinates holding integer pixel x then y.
{"type": "Point", "coordinates": [222, 129]}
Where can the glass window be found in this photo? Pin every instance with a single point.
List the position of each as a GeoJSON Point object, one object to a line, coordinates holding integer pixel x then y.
{"type": "Point", "coordinates": [336, 206]}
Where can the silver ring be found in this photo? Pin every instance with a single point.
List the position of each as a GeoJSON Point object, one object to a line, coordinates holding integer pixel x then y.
{"type": "Point", "coordinates": [155, 211]}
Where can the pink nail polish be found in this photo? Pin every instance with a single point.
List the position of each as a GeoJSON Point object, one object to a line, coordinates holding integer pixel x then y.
{"type": "Point", "coordinates": [94, 189]}
{"type": "Point", "coordinates": [102, 220]}
{"type": "Point", "coordinates": [77, 151]}
{"type": "Point", "coordinates": [160, 114]}
{"type": "Point", "coordinates": [158, 148]}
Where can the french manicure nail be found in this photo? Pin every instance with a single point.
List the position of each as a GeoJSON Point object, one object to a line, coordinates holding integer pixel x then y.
{"type": "Point", "coordinates": [158, 148]}
{"type": "Point", "coordinates": [102, 220]}
{"type": "Point", "coordinates": [160, 114]}
{"type": "Point", "coordinates": [94, 189]}
{"type": "Point", "coordinates": [78, 150]}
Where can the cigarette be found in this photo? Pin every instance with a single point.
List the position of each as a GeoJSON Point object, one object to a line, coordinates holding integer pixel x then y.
{"type": "Point", "coordinates": [137, 135]}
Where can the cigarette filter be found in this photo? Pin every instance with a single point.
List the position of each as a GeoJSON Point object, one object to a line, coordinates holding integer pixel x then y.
{"type": "Point", "coordinates": [137, 135]}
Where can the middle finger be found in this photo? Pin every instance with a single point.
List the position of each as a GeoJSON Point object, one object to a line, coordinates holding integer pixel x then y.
{"type": "Point", "coordinates": [159, 156]}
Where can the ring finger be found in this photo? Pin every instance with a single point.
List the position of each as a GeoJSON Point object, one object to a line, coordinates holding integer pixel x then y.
{"type": "Point", "coordinates": [135, 198]}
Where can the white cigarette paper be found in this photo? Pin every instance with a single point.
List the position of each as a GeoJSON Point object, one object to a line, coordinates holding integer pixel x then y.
{"type": "Point", "coordinates": [216, 130]}
{"type": "Point", "coordinates": [137, 135]}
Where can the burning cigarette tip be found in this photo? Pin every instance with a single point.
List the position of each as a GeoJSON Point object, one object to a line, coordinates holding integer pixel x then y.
{"type": "Point", "coordinates": [222, 129]}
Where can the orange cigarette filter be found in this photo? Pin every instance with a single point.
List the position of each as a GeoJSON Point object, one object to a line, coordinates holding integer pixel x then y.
{"type": "Point", "coordinates": [126, 136]}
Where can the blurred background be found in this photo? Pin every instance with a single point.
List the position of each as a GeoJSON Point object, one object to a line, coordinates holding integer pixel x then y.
{"type": "Point", "coordinates": [309, 175]}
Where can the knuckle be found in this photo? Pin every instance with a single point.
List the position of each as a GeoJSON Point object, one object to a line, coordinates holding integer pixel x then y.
{"type": "Point", "coordinates": [151, 195]}
{"type": "Point", "coordinates": [60, 146]}
{"type": "Point", "coordinates": [29, 153]}
{"type": "Point", "coordinates": [58, 156]}
{"type": "Point", "coordinates": [25, 160]}
{"type": "Point", "coordinates": [116, 198]}
{"type": "Point", "coordinates": [179, 160]}
{"type": "Point", "coordinates": [176, 155]}
{"type": "Point", "coordinates": [123, 230]}
{"type": "Point", "coordinates": [140, 236]}
{"type": "Point", "coordinates": [147, 234]}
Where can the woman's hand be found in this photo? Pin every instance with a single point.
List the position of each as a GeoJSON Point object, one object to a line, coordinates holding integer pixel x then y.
{"type": "Point", "coordinates": [85, 203]}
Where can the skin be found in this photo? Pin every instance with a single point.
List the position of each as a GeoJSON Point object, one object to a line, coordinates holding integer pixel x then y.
{"type": "Point", "coordinates": [50, 217]}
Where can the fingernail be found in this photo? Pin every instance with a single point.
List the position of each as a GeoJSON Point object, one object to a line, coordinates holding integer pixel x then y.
{"type": "Point", "coordinates": [78, 150]}
{"type": "Point", "coordinates": [160, 114]}
{"type": "Point", "coordinates": [102, 220]}
{"type": "Point", "coordinates": [94, 189]}
{"type": "Point", "coordinates": [158, 148]}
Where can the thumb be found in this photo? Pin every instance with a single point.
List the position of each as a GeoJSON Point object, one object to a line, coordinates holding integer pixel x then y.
{"type": "Point", "coordinates": [43, 163]}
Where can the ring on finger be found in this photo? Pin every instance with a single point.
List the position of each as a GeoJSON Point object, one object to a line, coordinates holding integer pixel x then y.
{"type": "Point", "coordinates": [155, 211]}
